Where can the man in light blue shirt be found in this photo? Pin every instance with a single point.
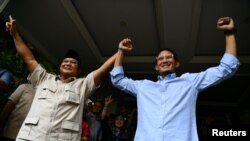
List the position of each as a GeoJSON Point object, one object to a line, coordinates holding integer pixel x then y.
{"type": "Point", "coordinates": [6, 79]}
{"type": "Point", "coordinates": [167, 107]}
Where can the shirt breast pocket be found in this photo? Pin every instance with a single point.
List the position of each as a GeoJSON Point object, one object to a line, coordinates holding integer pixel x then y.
{"type": "Point", "coordinates": [72, 96]}
{"type": "Point", "coordinates": [47, 92]}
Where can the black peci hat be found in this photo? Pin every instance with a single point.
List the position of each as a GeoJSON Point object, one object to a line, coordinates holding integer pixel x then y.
{"type": "Point", "coordinates": [73, 54]}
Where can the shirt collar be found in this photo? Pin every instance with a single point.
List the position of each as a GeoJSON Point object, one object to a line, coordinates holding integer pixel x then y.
{"type": "Point", "coordinates": [66, 80]}
{"type": "Point", "coordinates": [167, 77]}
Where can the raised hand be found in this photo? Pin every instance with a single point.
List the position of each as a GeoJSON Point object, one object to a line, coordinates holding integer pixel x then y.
{"type": "Point", "coordinates": [126, 45]}
{"type": "Point", "coordinates": [10, 25]}
{"type": "Point", "coordinates": [108, 100]}
{"type": "Point", "coordinates": [225, 23]}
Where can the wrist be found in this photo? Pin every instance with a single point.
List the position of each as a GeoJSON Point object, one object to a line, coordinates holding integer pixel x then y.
{"type": "Point", "coordinates": [230, 32]}
{"type": "Point", "coordinates": [121, 49]}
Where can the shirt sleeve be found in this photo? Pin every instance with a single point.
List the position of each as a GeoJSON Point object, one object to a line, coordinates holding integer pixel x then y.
{"type": "Point", "coordinates": [214, 75]}
{"type": "Point", "coordinates": [89, 84]}
{"type": "Point", "coordinates": [123, 83]}
{"type": "Point", "coordinates": [37, 76]}
{"type": "Point", "coordinates": [15, 96]}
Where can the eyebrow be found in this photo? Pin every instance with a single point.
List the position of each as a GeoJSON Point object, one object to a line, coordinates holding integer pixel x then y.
{"type": "Point", "coordinates": [159, 56]}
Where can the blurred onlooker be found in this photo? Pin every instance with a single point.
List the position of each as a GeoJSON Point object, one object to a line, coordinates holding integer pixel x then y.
{"type": "Point", "coordinates": [124, 111]}
{"type": "Point", "coordinates": [6, 79]}
{"type": "Point", "coordinates": [119, 129]}
{"type": "Point", "coordinates": [85, 125]}
{"type": "Point", "coordinates": [15, 111]}
{"type": "Point", "coordinates": [85, 130]}
{"type": "Point", "coordinates": [93, 117]}
{"type": "Point", "coordinates": [106, 131]}
{"type": "Point", "coordinates": [110, 119]}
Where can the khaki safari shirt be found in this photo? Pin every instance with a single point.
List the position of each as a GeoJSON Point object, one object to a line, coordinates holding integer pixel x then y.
{"type": "Point", "coordinates": [57, 108]}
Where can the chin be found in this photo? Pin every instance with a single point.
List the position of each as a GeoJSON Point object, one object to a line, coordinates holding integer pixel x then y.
{"type": "Point", "coordinates": [166, 71]}
{"type": "Point", "coordinates": [67, 71]}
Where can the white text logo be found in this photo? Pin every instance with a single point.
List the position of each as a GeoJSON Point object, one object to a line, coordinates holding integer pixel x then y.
{"type": "Point", "coordinates": [216, 132]}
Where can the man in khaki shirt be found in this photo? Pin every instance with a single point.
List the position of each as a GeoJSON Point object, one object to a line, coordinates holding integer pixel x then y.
{"type": "Point", "coordinates": [56, 111]}
{"type": "Point", "coordinates": [15, 111]}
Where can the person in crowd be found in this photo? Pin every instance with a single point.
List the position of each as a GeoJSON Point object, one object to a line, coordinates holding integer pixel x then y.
{"type": "Point", "coordinates": [110, 119]}
{"type": "Point", "coordinates": [15, 111]}
{"type": "Point", "coordinates": [57, 108]}
{"type": "Point", "coordinates": [123, 111]}
{"type": "Point", "coordinates": [85, 130]}
{"type": "Point", "coordinates": [167, 107]}
{"type": "Point", "coordinates": [119, 129]}
{"type": "Point", "coordinates": [85, 125]}
{"type": "Point", "coordinates": [93, 118]}
{"type": "Point", "coordinates": [6, 79]}
{"type": "Point", "coordinates": [106, 131]}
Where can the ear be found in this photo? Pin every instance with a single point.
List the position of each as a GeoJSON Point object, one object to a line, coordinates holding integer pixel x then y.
{"type": "Point", "coordinates": [177, 64]}
{"type": "Point", "coordinates": [156, 68]}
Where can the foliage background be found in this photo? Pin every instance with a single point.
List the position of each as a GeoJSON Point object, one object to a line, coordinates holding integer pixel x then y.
{"type": "Point", "coordinates": [13, 62]}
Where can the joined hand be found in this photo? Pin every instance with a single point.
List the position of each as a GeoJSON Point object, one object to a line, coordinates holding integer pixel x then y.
{"type": "Point", "coordinates": [126, 45]}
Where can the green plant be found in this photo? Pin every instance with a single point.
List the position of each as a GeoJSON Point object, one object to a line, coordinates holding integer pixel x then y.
{"type": "Point", "coordinates": [14, 63]}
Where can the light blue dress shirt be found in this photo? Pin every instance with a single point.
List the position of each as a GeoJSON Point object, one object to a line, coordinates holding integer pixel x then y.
{"type": "Point", "coordinates": [167, 107]}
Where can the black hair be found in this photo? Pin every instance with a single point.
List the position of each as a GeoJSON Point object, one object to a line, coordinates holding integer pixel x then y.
{"type": "Point", "coordinates": [125, 118]}
{"type": "Point", "coordinates": [100, 101]}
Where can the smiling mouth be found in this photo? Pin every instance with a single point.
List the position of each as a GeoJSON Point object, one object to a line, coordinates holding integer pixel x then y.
{"type": "Point", "coordinates": [67, 68]}
{"type": "Point", "coordinates": [165, 65]}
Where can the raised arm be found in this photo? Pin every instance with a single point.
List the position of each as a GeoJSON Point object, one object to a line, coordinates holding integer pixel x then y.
{"type": "Point", "coordinates": [107, 101]}
{"type": "Point", "coordinates": [123, 45]}
{"type": "Point", "coordinates": [101, 71]}
{"type": "Point", "coordinates": [106, 67]}
{"type": "Point", "coordinates": [21, 47]}
{"type": "Point", "coordinates": [227, 24]}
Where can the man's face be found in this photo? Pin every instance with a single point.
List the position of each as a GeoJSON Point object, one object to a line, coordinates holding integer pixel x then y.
{"type": "Point", "coordinates": [69, 68]}
{"type": "Point", "coordinates": [165, 63]}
